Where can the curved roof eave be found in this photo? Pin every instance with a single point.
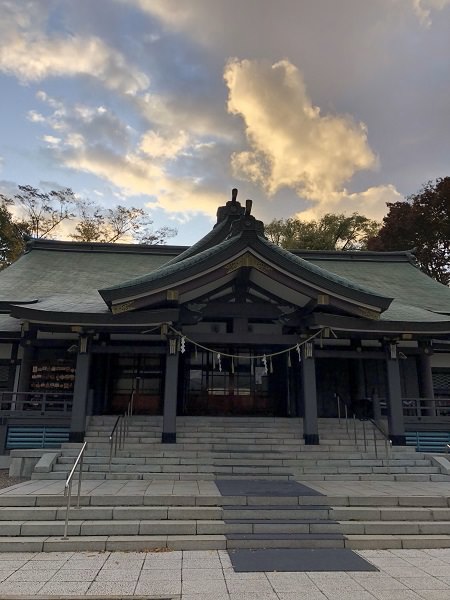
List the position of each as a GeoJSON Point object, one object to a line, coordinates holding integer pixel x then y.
{"type": "Point", "coordinates": [167, 274]}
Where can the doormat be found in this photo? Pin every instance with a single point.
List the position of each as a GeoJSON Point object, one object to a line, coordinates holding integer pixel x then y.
{"type": "Point", "coordinates": [298, 560]}
{"type": "Point", "coordinates": [263, 487]}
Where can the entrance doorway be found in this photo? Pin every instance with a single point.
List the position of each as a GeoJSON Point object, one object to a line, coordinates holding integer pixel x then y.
{"type": "Point", "coordinates": [234, 386]}
{"type": "Point", "coordinates": [140, 375]}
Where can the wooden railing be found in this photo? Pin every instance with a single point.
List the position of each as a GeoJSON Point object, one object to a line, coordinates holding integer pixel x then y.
{"type": "Point", "coordinates": [12, 403]}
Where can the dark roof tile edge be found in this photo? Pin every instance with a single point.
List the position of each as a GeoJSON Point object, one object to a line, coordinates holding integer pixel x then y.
{"type": "Point", "coordinates": [67, 246]}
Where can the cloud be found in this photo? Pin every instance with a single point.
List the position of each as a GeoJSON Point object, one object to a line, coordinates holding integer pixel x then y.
{"type": "Point", "coordinates": [94, 140]}
{"type": "Point", "coordinates": [423, 9]}
{"type": "Point", "coordinates": [51, 140]}
{"type": "Point", "coordinates": [291, 144]}
{"type": "Point", "coordinates": [158, 146]}
{"type": "Point", "coordinates": [31, 54]}
{"type": "Point", "coordinates": [371, 203]}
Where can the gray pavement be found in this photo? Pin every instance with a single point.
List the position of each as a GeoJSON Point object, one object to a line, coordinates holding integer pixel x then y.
{"type": "Point", "coordinates": [208, 575]}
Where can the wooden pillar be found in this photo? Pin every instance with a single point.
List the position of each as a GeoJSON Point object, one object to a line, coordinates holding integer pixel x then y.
{"type": "Point", "coordinates": [26, 362]}
{"type": "Point", "coordinates": [169, 433]}
{"type": "Point", "coordinates": [395, 404]}
{"type": "Point", "coordinates": [426, 382]}
{"type": "Point", "coordinates": [310, 423]}
{"type": "Point", "coordinates": [80, 396]}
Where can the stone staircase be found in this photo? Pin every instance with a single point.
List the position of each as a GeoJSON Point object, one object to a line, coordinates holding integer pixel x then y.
{"type": "Point", "coordinates": [246, 448]}
{"type": "Point", "coordinates": [35, 522]}
{"type": "Point", "coordinates": [126, 513]}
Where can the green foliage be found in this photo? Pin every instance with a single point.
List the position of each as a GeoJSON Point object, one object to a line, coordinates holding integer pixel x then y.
{"type": "Point", "coordinates": [11, 242]}
{"type": "Point", "coordinates": [330, 232]}
{"type": "Point", "coordinates": [422, 222]}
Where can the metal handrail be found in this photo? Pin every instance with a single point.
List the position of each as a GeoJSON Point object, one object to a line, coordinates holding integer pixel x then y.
{"type": "Point", "coordinates": [120, 430]}
{"type": "Point", "coordinates": [338, 403]}
{"type": "Point", "coordinates": [387, 443]}
{"type": "Point", "coordinates": [68, 486]}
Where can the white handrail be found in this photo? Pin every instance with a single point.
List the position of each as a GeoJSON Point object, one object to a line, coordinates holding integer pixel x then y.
{"type": "Point", "coordinates": [68, 486]}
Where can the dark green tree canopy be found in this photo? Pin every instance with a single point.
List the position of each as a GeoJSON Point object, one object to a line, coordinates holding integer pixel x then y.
{"type": "Point", "coordinates": [11, 232]}
{"type": "Point", "coordinates": [330, 232]}
{"type": "Point", "coordinates": [422, 222]}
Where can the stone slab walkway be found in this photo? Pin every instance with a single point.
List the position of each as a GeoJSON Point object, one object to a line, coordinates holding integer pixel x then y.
{"type": "Point", "coordinates": [208, 575]}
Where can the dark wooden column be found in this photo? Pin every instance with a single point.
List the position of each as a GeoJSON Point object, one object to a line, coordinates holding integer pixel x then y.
{"type": "Point", "coordinates": [426, 381]}
{"type": "Point", "coordinates": [310, 423]}
{"type": "Point", "coordinates": [26, 362]}
{"type": "Point", "coordinates": [169, 433]}
{"type": "Point", "coordinates": [395, 404]}
{"type": "Point", "coordinates": [80, 393]}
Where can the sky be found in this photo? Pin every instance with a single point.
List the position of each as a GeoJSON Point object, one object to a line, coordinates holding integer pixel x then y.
{"type": "Point", "coordinates": [306, 106]}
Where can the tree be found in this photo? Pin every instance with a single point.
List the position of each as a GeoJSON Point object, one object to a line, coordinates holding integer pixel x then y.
{"type": "Point", "coordinates": [114, 224]}
{"type": "Point", "coordinates": [421, 222]}
{"type": "Point", "coordinates": [330, 232]}
{"type": "Point", "coordinates": [11, 240]}
{"type": "Point", "coordinates": [43, 212]}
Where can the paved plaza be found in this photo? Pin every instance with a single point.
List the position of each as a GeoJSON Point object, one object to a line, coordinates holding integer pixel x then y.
{"type": "Point", "coordinates": [208, 575]}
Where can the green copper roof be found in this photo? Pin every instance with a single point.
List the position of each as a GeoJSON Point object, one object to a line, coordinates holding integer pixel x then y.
{"type": "Point", "coordinates": [51, 268]}
{"type": "Point", "coordinates": [396, 278]}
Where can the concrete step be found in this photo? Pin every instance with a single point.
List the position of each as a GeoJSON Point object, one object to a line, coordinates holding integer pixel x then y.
{"type": "Point", "coordinates": [390, 513]}
{"type": "Point", "coordinates": [395, 527]}
{"type": "Point", "coordinates": [418, 477]}
{"type": "Point", "coordinates": [101, 513]}
{"type": "Point", "coordinates": [387, 542]}
{"type": "Point", "coordinates": [282, 526]}
{"type": "Point", "coordinates": [113, 527]}
{"type": "Point", "coordinates": [171, 476]}
{"type": "Point", "coordinates": [101, 543]}
{"type": "Point", "coordinates": [276, 511]}
{"type": "Point", "coordinates": [286, 540]}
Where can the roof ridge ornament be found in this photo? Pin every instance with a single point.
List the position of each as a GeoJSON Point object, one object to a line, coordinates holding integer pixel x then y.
{"type": "Point", "coordinates": [232, 208]}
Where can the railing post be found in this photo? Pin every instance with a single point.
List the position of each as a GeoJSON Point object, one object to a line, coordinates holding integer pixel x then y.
{"type": "Point", "coordinates": [364, 436]}
{"type": "Point", "coordinates": [388, 445]}
{"type": "Point", "coordinates": [346, 417]}
{"type": "Point", "coordinates": [375, 442]}
{"type": "Point", "coordinates": [80, 474]}
{"type": "Point", "coordinates": [338, 400]}
{"type": "Point", "coordinates": [354, 427]}
{"type": "Point", "coordinates": [111, 441]}
{"type": "Point", "coordinates": [66, 524]}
